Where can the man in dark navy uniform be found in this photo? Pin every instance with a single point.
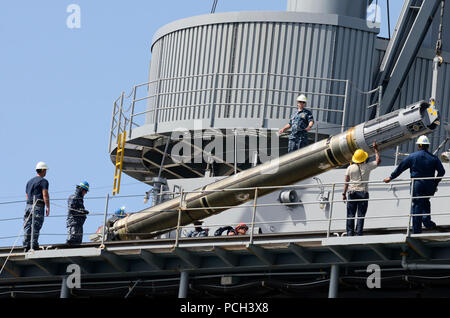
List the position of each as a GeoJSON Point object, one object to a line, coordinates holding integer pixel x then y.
{"type": "Point", "coordinates": [300, 124]}
{"type": "Point", "coordinates": [77, 214]}
{"type": "Point", "coordinates": [422, 164]}
{"type": "Point", "coordinates": [37, 199]}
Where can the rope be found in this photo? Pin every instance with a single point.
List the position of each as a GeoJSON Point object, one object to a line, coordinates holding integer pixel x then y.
{"type": "Point", "coordinates": [18, 236]}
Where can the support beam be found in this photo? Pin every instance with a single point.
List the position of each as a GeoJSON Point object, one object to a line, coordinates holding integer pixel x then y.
{"type": "Point", "coordinates": [180, 164]}
{"type": "Point", "coordinates": [84, 266]}
{"type": "Point", "coordinates": [114, 260]}
{"type": "Point", "coordinates": [187, 257]}
{"type": "Point", "coordinates": [152, 259]}
{"type": "Point", "coordinates": [341, 252]}
{"type": "Point", "coordinates": [217, 159]}
{"type": "Point", "coordinates": [381, 251]}
{"type": "Point", "coordinates": [227, 257]}
{"type": "Point", "coordinates": [263, 255]}
{"type": "Point", "coordinates": [46, 266]}
{"type": "Point", "coordinates": [158, 166]}
{"type": "Point", "coordinates": [334, 282]}
{"type": "Point", "coordinates": [141, 141]}
{"type": "Point", "coordinates": [184, 285]}
{"type": "Point", "coordinates": [419, 248]}
{"type": "Point", "coordinates": [301, 252]}
{"type": "Point", "coordinates": [10, 267]}
{"type": "Point", "coordinates": [65, 292]}
{"type": "Point", "coordinates": [132, 288]}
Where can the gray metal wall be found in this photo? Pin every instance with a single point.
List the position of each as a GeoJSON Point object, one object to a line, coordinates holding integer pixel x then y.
{"type": "Point", "coordinates": [276, 48]}
{"type": "Point", "coordinates": [352, 8]}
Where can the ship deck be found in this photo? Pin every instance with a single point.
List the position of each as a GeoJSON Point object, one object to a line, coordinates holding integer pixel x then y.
{"type": "Point", "coordinates": [159, 262]}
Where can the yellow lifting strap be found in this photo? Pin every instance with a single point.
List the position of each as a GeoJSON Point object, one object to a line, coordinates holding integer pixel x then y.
{"type": "Point", "coordinates": [119, 161]}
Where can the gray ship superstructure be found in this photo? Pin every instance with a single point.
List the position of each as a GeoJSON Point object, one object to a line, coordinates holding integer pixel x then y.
{"type": "Point", "coordinates": [203, 132]}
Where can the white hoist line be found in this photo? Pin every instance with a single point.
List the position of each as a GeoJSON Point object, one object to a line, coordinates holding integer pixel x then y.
{"type": "Point", "coordinates": [438, 60]}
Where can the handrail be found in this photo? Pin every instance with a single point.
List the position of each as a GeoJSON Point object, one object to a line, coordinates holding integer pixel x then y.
{"type": "Point", "coordinates": [254, 205]}
{"type": "Point", "coordinates": [210, 93]}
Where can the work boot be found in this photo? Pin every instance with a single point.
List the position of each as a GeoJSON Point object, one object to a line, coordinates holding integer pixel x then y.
{"type": "Point", "coordinates": [72, 245]}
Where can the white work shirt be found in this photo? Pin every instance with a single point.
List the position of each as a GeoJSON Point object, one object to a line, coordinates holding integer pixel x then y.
{"type": "Point", "coordinates": [360, 172]}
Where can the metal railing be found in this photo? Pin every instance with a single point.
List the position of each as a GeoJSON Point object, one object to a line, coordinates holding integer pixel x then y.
{"type": "Point", "coordinates": [254, 205]}
{"type": "Point", "coordinates": [255, 208]}
{"type": "Point", "coordinates": [215, 96]}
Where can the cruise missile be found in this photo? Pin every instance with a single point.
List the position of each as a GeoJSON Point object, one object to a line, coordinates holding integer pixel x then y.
{"type": "Point", "coordinates": [388, 131]}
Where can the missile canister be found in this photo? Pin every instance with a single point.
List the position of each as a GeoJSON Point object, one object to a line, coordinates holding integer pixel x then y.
{"type": "Point", "coordinates": [388, 131]}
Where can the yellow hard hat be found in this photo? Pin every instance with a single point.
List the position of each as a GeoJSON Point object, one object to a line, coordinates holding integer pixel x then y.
{"type": "Point", "coordinates": [359, 156]}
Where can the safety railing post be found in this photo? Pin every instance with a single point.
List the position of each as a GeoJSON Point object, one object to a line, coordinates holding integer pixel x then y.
{"type": "Point", "coordinates": [104, 221]}
{"type": "Point", "coordinates": [156, 112]}
{"type": "Point", "coordinates": [213, 99]}
{"type": "Point", "coordinates": [180, 207]}
{"type": "Point", "coordinates": [120, 116]}
{"type": "Point", "coordinates": [112, 125]}
{"type": "Point", "coordinates": [408, 231]}
{"type": "Point", "coordinates": [344, 110]}
{"type": "Point", "coordinates": [316, 137]}
{"type": "Point", "coordinates": [235, 151]}
{"type": "Point", "coordinates": [265, 98]}
{"type": "Point", "coordinates": [132, 112]}
{"type": "Point", "coordinates": [252, 230]}
{"type": "Point", "coordinates": [331, 209]}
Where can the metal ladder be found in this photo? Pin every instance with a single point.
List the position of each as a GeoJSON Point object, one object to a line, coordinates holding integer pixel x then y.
{"type": "Point", "coordinates": [119, 161]}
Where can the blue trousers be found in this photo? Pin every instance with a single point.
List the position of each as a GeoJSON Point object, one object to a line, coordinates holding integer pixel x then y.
{"type": "Point", "coordinates": [75, 229]}
{"type": "Point", "coordinates": [75, 234]}
{"type": "Point", "coordinates": [422, 206]}
{"type": "Point", "coordinates": [296, 144]}
{"type": "Point", "coordinates": [355, 207]}
{"type": "Point", "coordinates": [29, 225]}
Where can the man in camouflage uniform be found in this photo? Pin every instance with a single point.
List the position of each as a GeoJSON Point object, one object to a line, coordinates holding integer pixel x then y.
{"type": "Point", "coordinates": [77, 214]}
{"type": "Point", "coordinates": [300, 124]}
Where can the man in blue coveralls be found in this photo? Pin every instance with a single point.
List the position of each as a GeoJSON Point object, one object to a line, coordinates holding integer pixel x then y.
{"type": "Point", "coordinates": [300, 124]}
{"type": "Point", "coordinates": [422, 164]}
{"type": "Point", "coordinates": [37, 199]}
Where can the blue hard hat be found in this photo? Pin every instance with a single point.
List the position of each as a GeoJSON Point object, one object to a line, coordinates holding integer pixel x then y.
{"type": "Point", "coordinates": [84, 185]}
{"type": "Point", "coordinates": [120, 212]}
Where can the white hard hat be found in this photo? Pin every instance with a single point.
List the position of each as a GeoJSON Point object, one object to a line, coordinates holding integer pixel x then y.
{"type": "Point", "coordinates": [41, 166]}
{"type": "Point", "coordinates": [302, 98]}
{"type": "Point", "coordinates": [423, 140]}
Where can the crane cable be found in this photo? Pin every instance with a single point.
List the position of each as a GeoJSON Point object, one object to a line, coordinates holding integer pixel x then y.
{"type": "Point", "coordinates": [441, 26]}
{"type": "Point", "coordinates": [213, 9]}
{"type": "Point", "coordinates": [18, 236]}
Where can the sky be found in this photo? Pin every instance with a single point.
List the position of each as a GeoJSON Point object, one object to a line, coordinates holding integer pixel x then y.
{"type": "Point", "coordinates": [57, 87]}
